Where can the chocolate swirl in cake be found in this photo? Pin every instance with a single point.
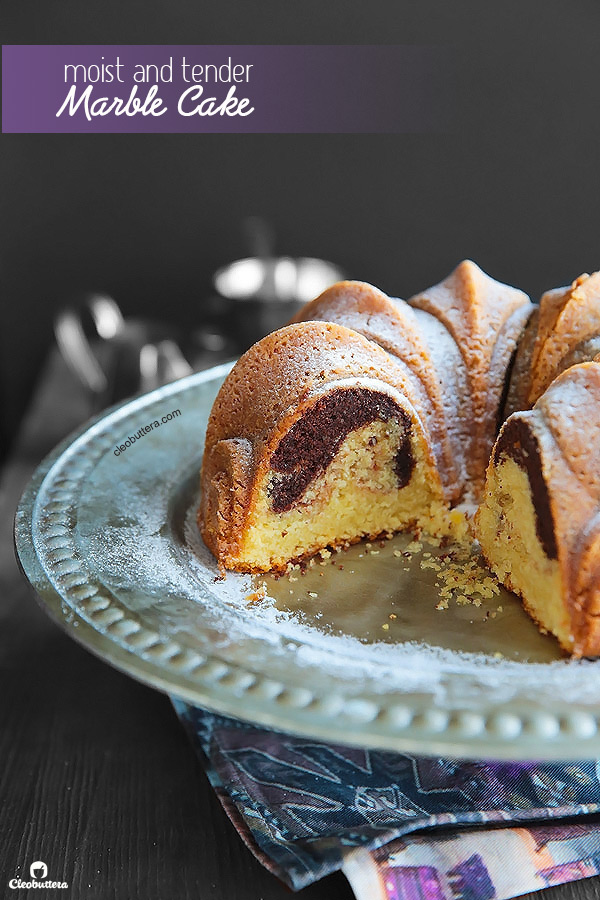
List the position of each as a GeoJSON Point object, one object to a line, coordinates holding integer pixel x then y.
{"type": "Point", "coordinates": [311, 444]}
{"type": "Point", "coordinates": [518, 443]}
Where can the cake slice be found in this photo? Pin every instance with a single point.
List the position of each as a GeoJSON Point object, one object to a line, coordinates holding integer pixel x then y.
{"type": "Point", "coordinates": [316, 439]}
{"type": "Point", "coordinates": [539, 522]}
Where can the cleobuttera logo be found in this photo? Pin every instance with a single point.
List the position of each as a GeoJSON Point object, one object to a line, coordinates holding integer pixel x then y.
{"type": "Point", "coordinates": [38, 870]}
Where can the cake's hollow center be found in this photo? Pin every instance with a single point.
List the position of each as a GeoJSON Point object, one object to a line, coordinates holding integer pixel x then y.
{"type": "Point", "coordinates": [313, 441]}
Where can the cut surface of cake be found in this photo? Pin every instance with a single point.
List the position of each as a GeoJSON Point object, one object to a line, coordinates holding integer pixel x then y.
{"type": "Point", "coordinates": [539, 522]}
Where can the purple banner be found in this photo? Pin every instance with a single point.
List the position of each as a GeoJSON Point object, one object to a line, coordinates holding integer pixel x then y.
{"type": "Point", "coordinates": [49, 89]}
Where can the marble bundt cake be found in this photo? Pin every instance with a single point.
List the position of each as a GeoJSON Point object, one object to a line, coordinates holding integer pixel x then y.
{"type": "Point", "coordinates": [369, 414]}
{"type": "Point", "coordinates": [539, 522]}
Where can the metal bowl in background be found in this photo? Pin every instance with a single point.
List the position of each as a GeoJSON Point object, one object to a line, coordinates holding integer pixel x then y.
{"type": "Point", "coordinates": [257, 295]}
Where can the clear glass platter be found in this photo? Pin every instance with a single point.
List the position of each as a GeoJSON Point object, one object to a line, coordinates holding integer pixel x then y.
{"type": "Point", "coordinates": [355, 650]}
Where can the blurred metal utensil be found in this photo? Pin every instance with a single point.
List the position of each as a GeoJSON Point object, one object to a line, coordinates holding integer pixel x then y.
{"type": "Point", "coordinates": [74, 344]}
{"type": "Point", "coordinates": [295, 280]}
{"type": "Point", "coordinates": [113, 357]}
{"type": "Point", "coordinates": [161, 363]}
{"type": "Point", "coordinates": [262, 292]}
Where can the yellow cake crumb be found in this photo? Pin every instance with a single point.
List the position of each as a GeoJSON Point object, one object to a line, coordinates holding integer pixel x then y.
{"type": "Point", "coordinates": [259, 594]}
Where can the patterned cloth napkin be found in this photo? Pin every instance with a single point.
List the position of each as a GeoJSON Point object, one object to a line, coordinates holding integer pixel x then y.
{"type": "Point", "coordinates": [400, 826]}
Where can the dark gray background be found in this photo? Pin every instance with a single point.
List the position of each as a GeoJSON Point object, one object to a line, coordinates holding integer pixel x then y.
{"type": "Point", "coordinates": [148, 218]}
{"type": "Point", "coordinates": [515, 186]}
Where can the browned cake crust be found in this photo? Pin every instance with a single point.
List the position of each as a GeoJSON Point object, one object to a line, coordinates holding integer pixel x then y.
{"type": "Point", "coordinates": [486, 320]}
{"type": "Point", "coordinates": [564, 331]}
{"type": "Point", "coordinates": [571, 412]}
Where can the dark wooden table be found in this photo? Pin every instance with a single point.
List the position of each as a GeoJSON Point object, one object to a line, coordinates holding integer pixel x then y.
{"type": "Point", "coordinates": [97, 778]}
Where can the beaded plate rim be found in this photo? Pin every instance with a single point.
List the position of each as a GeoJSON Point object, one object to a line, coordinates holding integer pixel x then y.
{"type": "Point", "coordinates": [400, 721]}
